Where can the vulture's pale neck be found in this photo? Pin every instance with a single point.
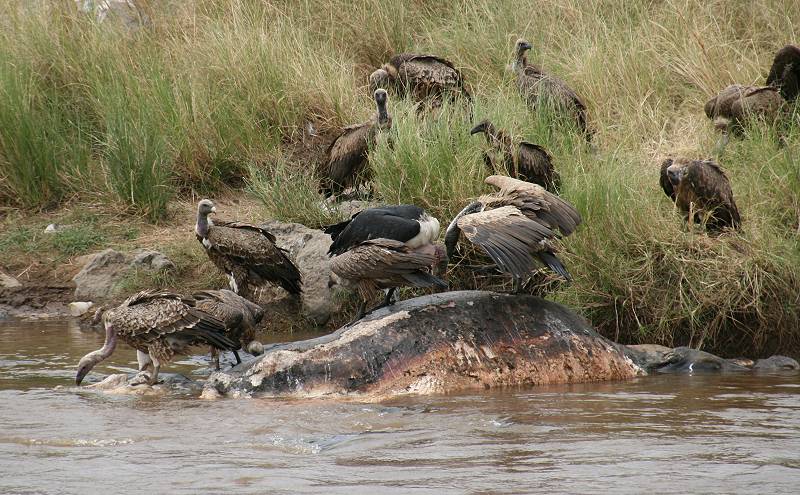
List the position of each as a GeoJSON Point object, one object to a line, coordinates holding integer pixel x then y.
{"type": "Point", "coordinates": [202, 225]}
{"type": "Point", "coordinates": [91, 360]}
{"type": "Point", "coordinates": [453, 232]}
{"type": "Point", "coordinates": [520, 62]}
{"type": "Point", "coordinates": [383, 113]}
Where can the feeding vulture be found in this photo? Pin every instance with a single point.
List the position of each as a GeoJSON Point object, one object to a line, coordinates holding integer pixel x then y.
{"type": "Point", "coordinates": [702, 192]}
{"type": "Point", "coordinates": [526, 161]}
{"type": "Point", "coordinates": [424, 77]}
{"type": "Point", "coordinates": [246, 253]}
{"type": "Point", "coordinates": [537, 86]}
{"type": "Point", "coordinates": [239, 315]}
{"type": "Point", "coordinates": [514, 224]}
{"type": "Point", "coordinates": [736, 103]}
{"type": "Point", "coordinates": [386, 248]}
{"type": "Point", "coordinates": [158, 325]}
{"type": "Point", "coordinates": [347, 154]}
{"type": "Point", "coordinates": [785, 72]}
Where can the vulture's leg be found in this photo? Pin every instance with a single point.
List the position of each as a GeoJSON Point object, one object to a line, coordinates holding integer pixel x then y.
{"type": "Point", "coordinates": [722, 143]}
{"type": "Point", "coordinates": [387, 300]}
{"type": "Point", "coordinates": [238, 359]}
{"type": "Point", "coordinates": [144, 362]}
{"type": "Point", "coordinates": [156, 368]}
{"type": "Point", "coordinates": [215, 358]}
{"type": "Point", "coordinates": [362, 311]}
{"type": "Point", "coordinates": [516, 285]}
{"type": "Point", "coordinates": [232, 283]}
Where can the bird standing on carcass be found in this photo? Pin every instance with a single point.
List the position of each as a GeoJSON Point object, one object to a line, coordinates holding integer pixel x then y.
{"type": "Point", "coordinates": [515, 224]}
{"type": "Point", "coordinates": [348, 153]}
{"type": "Point", "coordinates": [239, 315]}
{"type": "Point", "coordinates": [386, 248]}
{"type": "Point", "coordinates": [158, 325]}
{"type": "Point", "coordinates": [247, 254]}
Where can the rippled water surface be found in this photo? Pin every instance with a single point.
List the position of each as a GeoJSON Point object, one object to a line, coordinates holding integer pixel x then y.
{"type": "Point", "coordinates": [664, 434]}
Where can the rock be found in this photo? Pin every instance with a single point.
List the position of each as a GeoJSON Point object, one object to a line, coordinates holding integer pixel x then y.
{"type": "Point", "coordinates": [79, 308]}
{"type": "Point", "coordinates": [152, 260]}
{"type": "Point", "coordinates": [308, 248]}
{"type": "Point", "coordinates": [97, 278]}
{"type": "Point", "coordinates": [776, 363]}
{"type": "Point", "coordinates": [685, 359]}
{"type": "Point", "coordinates": [648, 356]}
{"type": "Point", "coordinates": [121, 384]}
{"type": "Point", "coordinates": [436, 344]}
{"type": "Point", "coordinates": [255, 348]}
{"type": "Point", "coordinates": [8, 282]}
{"type": "Point", "coordinates": [4, 315]}
{"type": "Point", "coordinates": [103, 271]}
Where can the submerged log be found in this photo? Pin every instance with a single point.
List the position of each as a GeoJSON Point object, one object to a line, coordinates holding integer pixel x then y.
{"type": "Point", "coordinates": [436, 344]}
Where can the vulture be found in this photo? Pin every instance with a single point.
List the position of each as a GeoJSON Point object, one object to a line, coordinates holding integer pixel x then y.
{"type": "Point", "coordinates": [158, 325]}
{"type": "Point", "coordinates": [246, 253]}
{"type": "Point", "coordinates": [386, 248]}
{"type": "Point", "coordinates": [239, 315]}
{"type": "Point", "coordinates": [734, 104]}
{"type": "Point", "coordinates": [538, 86]}
{"type": "Point", "coordinates": [515, 224]}
{"type": "Point", "coordinates": [702, 192]}
{"type": "Point", "coordinates": [424, 77]}
{"type": "Point", "coordinates": [785, 72]}
{"type": "Point", "coordinates": [526, 161]}
{"type": "Point", "coordinates": [347, 154]}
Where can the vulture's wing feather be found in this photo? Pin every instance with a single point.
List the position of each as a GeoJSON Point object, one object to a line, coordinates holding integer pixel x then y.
{"type": "Point", "coordinates": [536, 165]}
{"type": "Point", "coordinates": [712, 185]}
{"type": "Point", "coordinates": [535, 202]}
{"type": "Point", "coordinates": [785, 72]}
{"type": "Point", "coordinates": [347, 154]}
{"type": "Point", "coordinates": [386, 259]}
{"type": "Point", "coordinates": [663, 180]}
{"type": "Point", "coordinates": [394, 222]}
{"type": "Point", "coordinates": [507, 236]}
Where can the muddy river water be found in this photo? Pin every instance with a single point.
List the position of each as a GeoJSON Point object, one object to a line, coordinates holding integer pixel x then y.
{"type": "Point", "coordinates": [664, 434]}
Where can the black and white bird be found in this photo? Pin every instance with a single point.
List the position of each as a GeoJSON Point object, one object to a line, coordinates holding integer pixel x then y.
{"type": "Point", "coordinates": [246, 253]}
{"type": "Point", "coordinates": [386, 248]}
{"type": "Point", "coordinates": [514, 225]}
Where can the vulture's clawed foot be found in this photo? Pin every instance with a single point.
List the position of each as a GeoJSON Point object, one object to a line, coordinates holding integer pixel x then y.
{"type": "Point", "coordinates": [142, 378]}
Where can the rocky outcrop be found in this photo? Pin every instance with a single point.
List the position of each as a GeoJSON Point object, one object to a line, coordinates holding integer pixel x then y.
{"type": "Point", "coordinates": [308, 248]}
{"type": "Point", "coordinates": [436, 344]}
{"type": "Point", "coordinates": [659, 359]}
{"type": "Point", "coordinates": [8, 282]}
{"type": "Point", "coordinates": [103, 271]}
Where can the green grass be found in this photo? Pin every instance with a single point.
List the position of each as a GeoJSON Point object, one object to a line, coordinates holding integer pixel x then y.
{"type": "Point", "coordinates": [217, 94]}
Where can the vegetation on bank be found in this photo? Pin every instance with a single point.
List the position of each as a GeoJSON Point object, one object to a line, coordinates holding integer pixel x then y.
{"type": "Point", "coordinates": [217, 95]}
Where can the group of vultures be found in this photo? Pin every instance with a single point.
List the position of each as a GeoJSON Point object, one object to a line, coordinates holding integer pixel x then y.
{"type": "Point", "coordinates": [385, 248]}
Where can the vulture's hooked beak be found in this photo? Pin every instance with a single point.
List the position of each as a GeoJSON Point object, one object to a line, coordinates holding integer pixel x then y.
{"type": "Point", "coordinates": [675, 176]}
{"type": "Point", "coordinates": [525, 46]}
{"type": "Point", "coordinates": [213, 209]}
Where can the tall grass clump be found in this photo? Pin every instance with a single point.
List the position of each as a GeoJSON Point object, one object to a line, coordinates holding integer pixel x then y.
{"type": "Point", "coordinates": [212, 95]}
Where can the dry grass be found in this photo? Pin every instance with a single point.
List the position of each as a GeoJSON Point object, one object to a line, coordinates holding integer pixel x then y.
{"type": "Point", "coordinates": [215, 91]}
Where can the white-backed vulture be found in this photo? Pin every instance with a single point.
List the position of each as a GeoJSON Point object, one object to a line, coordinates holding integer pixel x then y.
{"type": "Point", "coordinates": [423, 77]}
{"type": "Point", "coordinates": [785, 72]}
{"type": "Point", "coordinates": [386, 248]}
{"type": "Point", "coordinates": [736, 103]}
{"type": "Point", "coordinates": [515, 224]}
{"type": "Point", "coordinates": [538, 87]}
{"type": "Point", "coordinates": [246, 253]}
{"type": "Point", "coordinates": [239, 315]}
{"type": "Point", "coordinates": [347, 154]}
{"type": "Point", "coordinates": [524, 161]}
{"type": "Point", "coordinates": [158, 325]}
{"type": "Point", "coordinates": [702, 191]}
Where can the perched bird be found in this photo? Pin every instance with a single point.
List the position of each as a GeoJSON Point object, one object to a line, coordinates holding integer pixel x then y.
{"type": "Point", "coordinates": [515, 224]}
{"type": "Point", "coordinates": [702, 192]}
{"type": "Point", "coordinates": [785, 72]}
{"type": "Point", "coordinates": [736, 103]}
{"type": "Point", "coordinates": [239, 315]}
{"type": "Point", "coordinates": [247, 254]}
{"type": "Point", "coordinates": [158, 325]}
{"type": "Point", "coordinates": [537, 86]}
{"type": "Point", "coordinates": [525, 161]}
{"type": "Point", "coordinates": [347, 154]}
{"type": "Point", "coordinates": [423, 77]}
{"type": "Point", "coordinates": [386, 248]}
